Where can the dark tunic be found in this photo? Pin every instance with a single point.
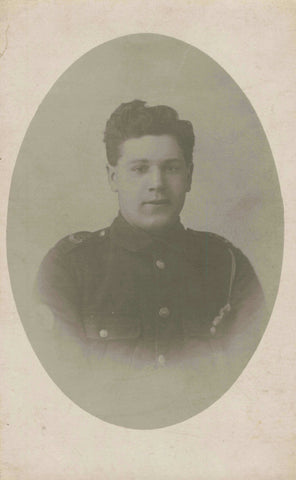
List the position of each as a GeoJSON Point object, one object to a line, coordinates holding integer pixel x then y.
{"type": "Point", "coordinates": [135, 311]}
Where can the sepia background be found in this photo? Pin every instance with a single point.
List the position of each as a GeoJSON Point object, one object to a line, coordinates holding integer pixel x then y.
{"type": "Point", "coordinates": [239, 436]}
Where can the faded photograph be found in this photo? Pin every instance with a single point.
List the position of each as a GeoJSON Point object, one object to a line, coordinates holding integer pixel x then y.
{"type": "Point", "coordinates": [137, 293]}
{"type": "Point", "coordinates": [148, 319]}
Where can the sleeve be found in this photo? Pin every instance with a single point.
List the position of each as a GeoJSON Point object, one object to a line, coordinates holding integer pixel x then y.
{"type": "Point", "coordinates": [59, 336]}
{"type": "Point", "coordinates": [56, 294]}
{"type": "Point", "coordinates": [246, 298]}
{"type": "Point", "coordinates": [248, 317]}
{"type": "Point", "coordinates": [56, 287]}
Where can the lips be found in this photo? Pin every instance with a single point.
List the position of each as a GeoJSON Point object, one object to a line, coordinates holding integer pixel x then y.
{"type": "Point", "coordinates": [162, 201]}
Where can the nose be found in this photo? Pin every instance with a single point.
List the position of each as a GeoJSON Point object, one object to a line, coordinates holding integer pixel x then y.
{"type": "Point", "coordinates": [156, 181]}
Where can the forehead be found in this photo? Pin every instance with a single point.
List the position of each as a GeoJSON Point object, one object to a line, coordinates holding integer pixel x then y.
{"type": "Point", "coordinates": [150, 147]}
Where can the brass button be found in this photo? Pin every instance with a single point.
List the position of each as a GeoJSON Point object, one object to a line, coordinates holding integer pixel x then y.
{"type": "Point", "coordinates": [102, 233]}
{"type": "Point", "coordinates": [161, 359]}
{"type": "Point", "coordinates": [160, 264]}
{"type": "Point", "coordinates": [164, 312]}
{"type": "Point", "coordinates": [74, 238]}
{"type": "Point", "coordinates": [213, 330]}
{"type": "Point", "coordinates": [103, 333]}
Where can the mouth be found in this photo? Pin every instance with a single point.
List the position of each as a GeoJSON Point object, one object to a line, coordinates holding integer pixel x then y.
{"type": "Point", "coordinates": [163, 201]}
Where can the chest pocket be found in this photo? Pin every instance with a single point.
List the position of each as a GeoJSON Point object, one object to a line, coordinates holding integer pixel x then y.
{"type": "Point", "coordinates": [105, 327]}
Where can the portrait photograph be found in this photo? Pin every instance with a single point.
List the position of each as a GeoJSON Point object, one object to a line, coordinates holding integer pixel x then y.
{"type": "Point", "coordinates": [148, 272]}
{"type": "Point", "coordinates": [153, 206]}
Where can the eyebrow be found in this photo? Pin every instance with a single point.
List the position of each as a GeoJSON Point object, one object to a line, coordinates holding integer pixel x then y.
{"type": "Point", "coordinates": [145, 160]}
{"type": "Point", "coordinates": [137, 160]}
{"type": "Point", "coordinates": [168, 160]}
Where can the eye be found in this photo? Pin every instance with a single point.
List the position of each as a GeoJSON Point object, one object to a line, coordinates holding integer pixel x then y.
{"type": "Point", "coordinates": [140, 168]}
{"type": "Point", "coordinates": [172, 168]}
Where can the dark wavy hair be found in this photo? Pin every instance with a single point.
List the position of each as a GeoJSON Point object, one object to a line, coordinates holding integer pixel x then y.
{"type": "Point", "coordinates": [134, 119]}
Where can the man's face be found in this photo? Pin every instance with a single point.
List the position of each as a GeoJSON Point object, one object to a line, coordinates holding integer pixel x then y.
{"type": "Point", "coordinates": [151, 179]}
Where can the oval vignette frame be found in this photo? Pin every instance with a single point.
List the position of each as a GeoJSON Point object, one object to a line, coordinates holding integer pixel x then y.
{"type": "Point", "coordinates": [59, 184]}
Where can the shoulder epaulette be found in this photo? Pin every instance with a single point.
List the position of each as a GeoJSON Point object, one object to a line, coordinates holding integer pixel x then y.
{"type": "Point", "coordinates": [74, 240]}
{"type": "Point", "coordinates": [220, 238]}
{"type": "Point", "coordinates": [211, 235]}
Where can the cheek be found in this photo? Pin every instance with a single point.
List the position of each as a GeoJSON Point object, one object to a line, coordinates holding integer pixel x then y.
{"type": "Point", "coordinates": [125, 186]}
{"type": "Point", "coordinates": [178, 186]}
{"type": "Point", "coordinates": [132, 189]}
{"type": "Point", "coordinates": [129, 195]}
{"type": "Point", "coordinates": [123, 183]}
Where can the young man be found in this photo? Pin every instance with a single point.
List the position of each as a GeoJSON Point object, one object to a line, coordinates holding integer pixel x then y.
{"type": "Point", "coordinates": [145, 293]}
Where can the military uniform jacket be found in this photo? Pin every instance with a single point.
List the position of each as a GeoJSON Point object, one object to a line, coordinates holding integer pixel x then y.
{"type": "Point", "coordinates": [139, 302]}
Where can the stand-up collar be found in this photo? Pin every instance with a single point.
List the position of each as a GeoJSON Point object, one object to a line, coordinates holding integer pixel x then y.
{"type": "Point", "coordinates": [135, 239]}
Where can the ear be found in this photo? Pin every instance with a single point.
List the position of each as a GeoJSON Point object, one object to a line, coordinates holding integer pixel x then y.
{"type": "Point", "coordinates": [189, 176]}
{"type": "Point", "coordinates": [112, 177]}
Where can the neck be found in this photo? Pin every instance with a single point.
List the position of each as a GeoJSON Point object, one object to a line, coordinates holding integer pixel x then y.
{"type": "Point", "coordinates": [161, 232]}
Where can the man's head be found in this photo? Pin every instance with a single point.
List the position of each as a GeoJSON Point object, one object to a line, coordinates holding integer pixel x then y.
{"type": "Point", "coordinates": [149, 151]}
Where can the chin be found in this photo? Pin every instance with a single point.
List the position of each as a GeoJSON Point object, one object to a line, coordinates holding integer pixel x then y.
{"type": "Point", "coordinates": [158, 224]}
